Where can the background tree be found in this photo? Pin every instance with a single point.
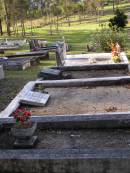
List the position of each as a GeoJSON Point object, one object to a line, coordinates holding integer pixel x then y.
{"type": "Point", "coordinates": [119, 20]}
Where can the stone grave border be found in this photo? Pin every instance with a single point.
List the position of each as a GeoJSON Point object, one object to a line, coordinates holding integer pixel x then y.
{"type": "Point", "coordinates": [123, 64]}
{"type": "Point", "coordinates": [79, 121]}
{"type": "Point", "coordinates": [20, 63]}
{"type": "Point", "coordinates": [65, 160]}
{"type": "Point", "coordinates": [17, 65]}
{"type": "Point", "coordinates": [42, 54]}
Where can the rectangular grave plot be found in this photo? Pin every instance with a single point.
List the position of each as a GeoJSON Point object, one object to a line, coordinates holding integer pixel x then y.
{"type": "Point", "coordinates": [17, 65]}
{"type": "Point", "coordinates": [85, 100]}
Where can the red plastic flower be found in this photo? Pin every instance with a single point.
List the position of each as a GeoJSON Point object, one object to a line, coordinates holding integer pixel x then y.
{"type": "Point", "coordinates": [21, 115]}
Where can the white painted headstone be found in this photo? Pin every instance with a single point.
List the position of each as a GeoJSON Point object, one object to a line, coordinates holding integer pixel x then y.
{"type": "Point", "coordinates": [35, 98]}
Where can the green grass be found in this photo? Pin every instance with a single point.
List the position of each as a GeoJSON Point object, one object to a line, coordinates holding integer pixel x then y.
{"type": "Point", "coordinates": [15, 80]}
{"type": "Point", "coordinates": [123, 6]}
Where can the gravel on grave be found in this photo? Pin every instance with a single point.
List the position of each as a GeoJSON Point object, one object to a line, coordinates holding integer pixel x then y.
{"type": "Point", "coordinates": [83, 100]}
{"type": "Point", "coordinates": [74, 139]}
{"type": "Point", "coordinates": [97, 73]}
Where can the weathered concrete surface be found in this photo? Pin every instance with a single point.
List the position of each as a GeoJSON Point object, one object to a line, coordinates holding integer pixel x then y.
{"type": "Point", "coordinates": [85, 100]}
{"type": "Point", "coordinates": [86, 121]}
{"type": "Point", "coordinates": [1, 72]}
{"type": "Point", "coordinates": [36, 53]}
{"type": "Point", "coordinates": [78, 74]}
{"type": "Point", "coordinates": [65, 161]}
{"type": "Point", "coordinates": [103, 81]}
{"type": "Point", "coordinates": [69, 139]}
{"type": "Point", "coordinates": [93, 67]}
{"type": "Point", "coordinates": [93, 59]}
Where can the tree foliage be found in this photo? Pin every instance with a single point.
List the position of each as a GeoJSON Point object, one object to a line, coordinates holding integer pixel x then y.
{"type": "Point", "coordinates": [15, 13]}
{"type": "Point", "coordinates": [119, 20]}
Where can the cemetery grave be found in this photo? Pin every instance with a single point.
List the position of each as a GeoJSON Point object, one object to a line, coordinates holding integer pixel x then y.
{"type": "Point", "coordinates": [19, 63]}
{"type": "Point", "coordinates": [4, 48]}
{"type": "Point", "coordinates": [42, 54]}
{"type": "Point", "coordinates": [11, 45]}
{"type": "Point", "coordinates": [13, 42]}
{"type": "Point", "coordinates": [34, 60]}
{"type": "Point", "coordinates": [16, 62]}
{"type": "Point", "coordinates": [94, 58]}
{"type": "Point", "coordinates": [86, 65]}
{"type": "Point", "coordinates": [81, 100]}
{"type": "Point", "coordinates": [64, 141]}
{"type": "Point", "coordinates": [78, 96]}
{"type": "Point", "coordinates": [78, 72]}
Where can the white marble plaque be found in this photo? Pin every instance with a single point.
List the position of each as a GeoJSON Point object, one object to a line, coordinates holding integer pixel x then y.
{"type": "Point", "coordinates": [35, 98]}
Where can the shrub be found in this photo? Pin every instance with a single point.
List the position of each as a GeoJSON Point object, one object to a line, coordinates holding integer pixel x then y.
{"type": "Point", "coordinates": [104, 37]}
{"type": "Point", "coordinates": [119, 20]}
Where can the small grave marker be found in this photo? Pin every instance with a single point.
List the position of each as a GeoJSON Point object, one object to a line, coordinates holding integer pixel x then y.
{"type": "Point", "coordinates": [35, 98]}
{"type": "Point", "coordinates": [50, 74]}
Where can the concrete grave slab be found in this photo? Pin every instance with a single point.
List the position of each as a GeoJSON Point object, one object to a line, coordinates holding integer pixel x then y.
{"type": "Point", "coordinates": [35, 98]}
{"type": "Point", "coordinates": [95, 58]}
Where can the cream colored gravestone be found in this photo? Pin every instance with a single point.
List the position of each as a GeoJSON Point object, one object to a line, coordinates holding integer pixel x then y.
{"type": "Point", "coordinates": [1, 72]}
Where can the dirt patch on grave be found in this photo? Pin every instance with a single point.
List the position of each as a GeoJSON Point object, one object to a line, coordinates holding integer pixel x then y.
{"type": "Point", "coordinates": [83, 100]}
{"type": "Point", "coordinates": [97, 73]}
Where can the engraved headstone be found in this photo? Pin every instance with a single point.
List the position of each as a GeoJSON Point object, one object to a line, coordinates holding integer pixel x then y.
{"type": "Point", "coordinates": [35, 98]}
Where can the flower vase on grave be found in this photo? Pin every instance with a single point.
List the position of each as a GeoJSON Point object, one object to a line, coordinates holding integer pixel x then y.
{"type": "Point", "coordinates": [115, 53]}
{"type": "Point", "coordinates": [23, 130]}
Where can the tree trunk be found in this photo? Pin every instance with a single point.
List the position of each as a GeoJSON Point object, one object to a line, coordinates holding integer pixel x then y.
{"type": "Point", "coordinates": [113, 2]}
{"type": "Point", "coordinates": [7, 19]}
{"type": "Point", "coordinates": [8, 25]}
{"type": "Point", "coordinates": [1, 29]}
{"type": "Point", "coordinates": [23, 28]}
{"type": "Point", "coordinates": [68, 21]}
{"type": "Point", "coordinates": [57, 23]}
{"type": "Point", "coordinates": [50, 21]}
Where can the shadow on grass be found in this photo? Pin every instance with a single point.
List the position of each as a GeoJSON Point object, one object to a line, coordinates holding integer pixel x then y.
{"type": "Point", "coordinates": [15, 80]}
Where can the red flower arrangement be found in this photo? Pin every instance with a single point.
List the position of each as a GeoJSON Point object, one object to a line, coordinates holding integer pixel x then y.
{"type": "Point", "coordinates": [22, 115]}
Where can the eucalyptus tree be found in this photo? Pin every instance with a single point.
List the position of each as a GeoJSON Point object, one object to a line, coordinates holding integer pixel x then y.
{"type": "Point", "coordinates": [81, 10]}
{"type": "Point", "coordinates": [68, 10]}
{"type": "Point", "coordinates": [21, 11]}
{"type": "Point", "coordinates": [48, 13]}
{"type": "Point", "coordinates": [2, 13]}
{"type": "Point", "coordinates": [8, 7]}
{"type": "Point", "coordinates": [57, 10]}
